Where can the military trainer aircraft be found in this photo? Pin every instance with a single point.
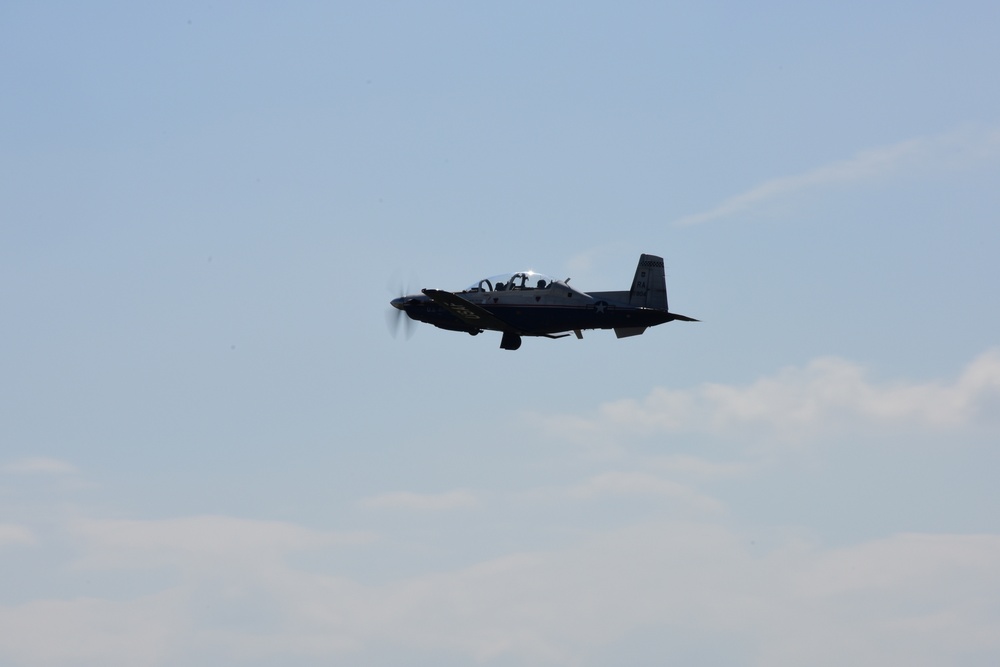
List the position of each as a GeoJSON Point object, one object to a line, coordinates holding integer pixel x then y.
{"type": "Point", "coordinates": [532, 304]}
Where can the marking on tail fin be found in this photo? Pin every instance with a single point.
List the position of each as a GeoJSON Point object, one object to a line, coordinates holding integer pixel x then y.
{"type": "Point", "coordinates": [649, 286]}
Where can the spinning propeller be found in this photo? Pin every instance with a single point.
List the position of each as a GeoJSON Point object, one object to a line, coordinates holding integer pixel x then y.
{"type": "Point", "coordinates": [396, 317]}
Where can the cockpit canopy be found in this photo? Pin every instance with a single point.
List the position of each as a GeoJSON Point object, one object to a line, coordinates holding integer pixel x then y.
{"type": "Point", "coordinates": [521, 280]}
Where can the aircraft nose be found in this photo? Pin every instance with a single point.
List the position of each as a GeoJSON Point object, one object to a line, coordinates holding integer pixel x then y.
{"type": "Point", "coordinates": [399, 302]}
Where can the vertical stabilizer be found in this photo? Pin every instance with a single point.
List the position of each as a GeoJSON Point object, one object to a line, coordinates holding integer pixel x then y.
{"type": "Point", "coordinates": [649, 287]}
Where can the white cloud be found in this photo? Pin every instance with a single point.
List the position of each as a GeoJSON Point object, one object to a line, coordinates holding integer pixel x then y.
{"type": "Point", "coordinates": [776, 608]}
{"type": "Point", "coordinates": [582, 263]}
{"type": "Point", "coordinates": [620, 483]}
{"type": "Point", "coordinates": [920, 599]}
{"type": "Point", "coordinates": [404, 500]}
{"type": "Point", "coordinates": [38, 466]}
{"type": "Point", "coordinates": [93, 631]}
{"type": "Point", "coordinates": [797, 403]}
{"type": "Point", "coordinates": [232, 594]}
{"type": "Point", "coordinates": [225, 590]}
{"type": "Point", "coordinates": [699, 468]}
{"type": "Point", "coordinates": [881, 565]}
{"type": "Point", "coordinates": [196, 541]}
{"type": "Point", "coordinates": [947, 151]}
{"type": "Point", "coordinates": [12, 533]}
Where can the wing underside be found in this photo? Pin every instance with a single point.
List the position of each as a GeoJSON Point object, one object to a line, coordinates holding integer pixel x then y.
{"type": "Point", "coordinates": [475, 316]}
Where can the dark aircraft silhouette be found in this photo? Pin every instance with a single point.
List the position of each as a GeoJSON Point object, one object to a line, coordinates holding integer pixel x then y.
{"type": "Point", "coordinates": [532, 304]}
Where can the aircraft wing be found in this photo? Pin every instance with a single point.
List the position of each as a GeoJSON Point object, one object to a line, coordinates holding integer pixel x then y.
{"type": "Point", "coordinates": [468, 312]}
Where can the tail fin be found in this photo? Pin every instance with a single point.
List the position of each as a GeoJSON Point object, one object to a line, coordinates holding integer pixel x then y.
{"type": "Point", "coordinates": [649, 287]}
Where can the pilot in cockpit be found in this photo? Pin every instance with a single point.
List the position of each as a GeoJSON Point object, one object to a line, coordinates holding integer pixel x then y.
{"type": "Point", "coordinates": [522, 280]}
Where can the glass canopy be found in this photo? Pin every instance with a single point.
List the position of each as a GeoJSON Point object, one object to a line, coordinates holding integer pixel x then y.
{"type": "Point", "coordinates": [521, 280]}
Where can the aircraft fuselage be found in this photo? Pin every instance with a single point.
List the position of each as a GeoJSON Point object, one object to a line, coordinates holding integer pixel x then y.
{"type": "Point", "coordinates": [531, 304]}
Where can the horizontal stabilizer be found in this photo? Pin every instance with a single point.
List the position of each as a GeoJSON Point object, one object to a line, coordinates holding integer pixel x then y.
{"type": "Point", "coordinates": [625, 332]}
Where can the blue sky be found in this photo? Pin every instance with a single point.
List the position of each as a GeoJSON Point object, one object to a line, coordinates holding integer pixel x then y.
{"type": "Point", "coordinates": [212, 451]}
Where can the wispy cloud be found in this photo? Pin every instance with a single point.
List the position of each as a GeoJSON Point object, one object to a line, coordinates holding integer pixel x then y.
{"type": "Point", "coordinates": [581, 264]}
{"type": "Point", "coordinates": [946, 151]}
{"type": "Point", "coordinates": [12, 533]}
{"type": "Point", "coordinates": [38, 466]}
{"type": "Point", "coordinates": [92, 631]}
{"type": "Point", "coordinates": [405, 500]}
{"type": "Point", "coordinates": [796, 403]}
{"type": "Point", "coordinates": [621, 483]}
{"type": "Point", "coordinates": [694, 467]}
{"type": "Point", "coordinates": [917, 598]}
{"type": "Point", "coordinates": [190, 542]}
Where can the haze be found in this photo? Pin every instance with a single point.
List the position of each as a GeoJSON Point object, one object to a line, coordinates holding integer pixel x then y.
{"type": "Point", "coordinates": [213, 453]}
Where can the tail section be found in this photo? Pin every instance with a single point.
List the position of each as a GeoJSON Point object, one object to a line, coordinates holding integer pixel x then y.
{"type": "Point", "coordinates": [649, 287]}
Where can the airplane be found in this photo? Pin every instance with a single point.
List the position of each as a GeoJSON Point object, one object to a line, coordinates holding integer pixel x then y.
{"type": "Point", "coordinates": [526, 303]}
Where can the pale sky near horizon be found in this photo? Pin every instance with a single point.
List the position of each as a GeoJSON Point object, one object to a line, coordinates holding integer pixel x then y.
{"type": "Point", "coordinates": [212, 452]}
